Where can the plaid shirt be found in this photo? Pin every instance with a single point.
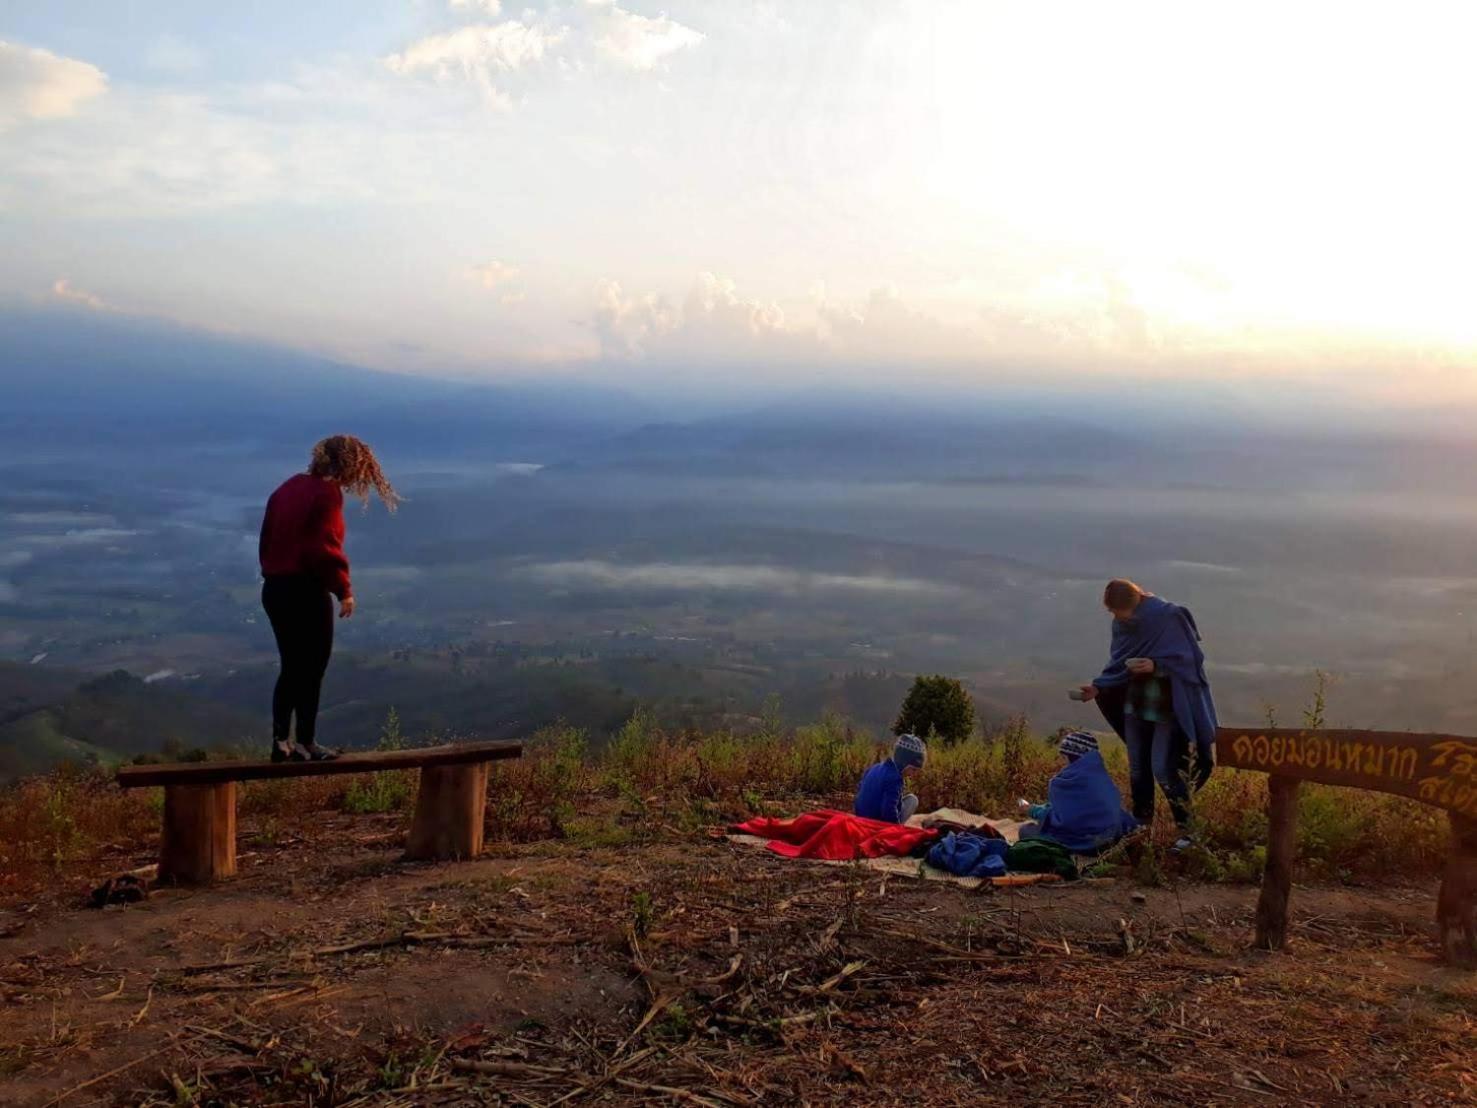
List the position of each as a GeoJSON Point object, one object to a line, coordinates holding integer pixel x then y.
{"type": "Point", "coordinates": [1150, 699]}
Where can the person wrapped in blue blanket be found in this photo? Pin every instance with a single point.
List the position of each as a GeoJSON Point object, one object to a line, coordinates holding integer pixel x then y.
{"type": "Point", "coordinates": [880, 794]}
{"type": "Point", "coordinates": [1083, 810]}
{"type": "Point", "coordinates": [1155, 694]}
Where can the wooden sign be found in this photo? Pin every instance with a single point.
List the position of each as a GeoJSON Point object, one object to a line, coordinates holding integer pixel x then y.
{"type": "Point", "coordinates": [1434, 769]}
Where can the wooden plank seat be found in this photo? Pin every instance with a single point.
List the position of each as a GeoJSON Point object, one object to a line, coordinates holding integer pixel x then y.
{"type": "Point", "coordinates": [198, 842]}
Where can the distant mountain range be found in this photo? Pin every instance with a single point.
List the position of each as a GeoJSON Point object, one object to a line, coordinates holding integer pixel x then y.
{"type": "Point", "coordinates": [115, 378]}
{"type": "Point", "coordinates": [78, 380]}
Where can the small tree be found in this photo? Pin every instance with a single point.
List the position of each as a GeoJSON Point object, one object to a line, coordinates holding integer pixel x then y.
{"type": "Point", "coordinates": [936, 706]}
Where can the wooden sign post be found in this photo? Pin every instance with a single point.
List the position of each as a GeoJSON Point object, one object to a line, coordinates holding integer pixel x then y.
{"type": "Point", "coordinates": [1434, 769]}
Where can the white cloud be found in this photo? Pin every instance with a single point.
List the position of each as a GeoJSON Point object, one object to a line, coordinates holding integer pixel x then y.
{"type": "Point", "coordinates": [85, 536]}
{"type": "Point", "coordinates": [37, 84]}
{"type": "Point", "coordinates": [480, 54]}
{"type": "Point", "coordinates": [487, 54]}
{"type": "Point", "coordinates": [639, 42]}
{"type": "Point", "coordinates": [886, 325]}
{"type": "Point", "coordinates": [626, 325]}
{"type": "Point", "coordinates": [491, 275]}
{"type": "Point", "coordinates": [327, 136]}
{"type": "Point", "coordinates": [499, 277]}
{"type": "Point", "coordinates": [716, 322]}
{"type": "Point", "coordinates": [62, 289]}
{"type": "Point", "coordinates": [700, 576]}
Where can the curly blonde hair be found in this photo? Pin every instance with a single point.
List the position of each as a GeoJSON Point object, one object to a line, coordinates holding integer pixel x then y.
{"type": "Point", "coordinates": [351, 463]}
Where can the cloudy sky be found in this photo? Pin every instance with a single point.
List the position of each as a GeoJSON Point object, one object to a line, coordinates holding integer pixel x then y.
{"type": "Point", "coordinates": [954, 188]}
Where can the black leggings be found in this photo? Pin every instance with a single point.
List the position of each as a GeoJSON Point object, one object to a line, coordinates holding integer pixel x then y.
{"type": "Point", "coordinates": [301, 612]}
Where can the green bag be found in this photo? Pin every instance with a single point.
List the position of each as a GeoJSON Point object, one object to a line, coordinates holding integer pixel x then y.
{"type": "Point", "coordinates": [1041, 856]}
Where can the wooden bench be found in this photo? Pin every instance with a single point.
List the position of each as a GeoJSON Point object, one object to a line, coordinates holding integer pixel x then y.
{"type": "Point", "coordinates": [198, 844]}
{"type": "Point", "coordinates": [1440, 770]}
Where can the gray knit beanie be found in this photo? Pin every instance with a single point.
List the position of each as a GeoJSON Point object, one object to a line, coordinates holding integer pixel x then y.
{"type": "Point", "coordinates": [909, 750]}
{"type": "Point", "coordinates": [1074, 744]}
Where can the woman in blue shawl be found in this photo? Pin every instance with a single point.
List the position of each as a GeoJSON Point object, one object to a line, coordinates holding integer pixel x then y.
{"type": "Point", "coordinates": [1154, 693]}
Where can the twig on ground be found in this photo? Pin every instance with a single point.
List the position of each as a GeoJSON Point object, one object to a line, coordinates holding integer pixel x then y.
{"type": "Point", "coordinates": [727, 975]}
{"type": "Point", "coordinates": [945, 948]}
{"type": "Point", "coordinates": [401, 938]}
{"type": "Point", "coordinates": [605, 1079]}
{"type": "Point", "coordinates": [778, 1021]}
{"type": "Point", "coordinates": [234, 1040]}
{"type": "Point", "coordinates": [846, 971]}
{"type": "Point", "coordinates": [510, 1069]}
{"type": "Point", "coordinates": [75, 1089]}
{"type": "Point", "coordinates": [687, 1096]}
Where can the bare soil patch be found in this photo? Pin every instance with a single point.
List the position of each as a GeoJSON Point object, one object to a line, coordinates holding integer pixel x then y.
{"type": "Point", "coordinates": [688, 970]}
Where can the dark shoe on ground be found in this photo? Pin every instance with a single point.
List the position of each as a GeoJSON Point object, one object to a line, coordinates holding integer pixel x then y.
{"type": "Point", "coordinates": [127, 889]}
{"type": "Point", "coordinates": [312, 752]}
{"type": "Point", "coordinates": [282, 750]}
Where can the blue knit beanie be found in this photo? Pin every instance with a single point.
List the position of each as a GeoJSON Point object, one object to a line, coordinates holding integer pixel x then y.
{"type": "Point", "coordinates": [1074, 744]}
{"type": "Point", "coordinates": [909, 750]}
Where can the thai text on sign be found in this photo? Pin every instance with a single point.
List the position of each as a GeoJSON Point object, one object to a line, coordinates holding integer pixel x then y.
{"type": "Point", "coordinates": [1436, 769]}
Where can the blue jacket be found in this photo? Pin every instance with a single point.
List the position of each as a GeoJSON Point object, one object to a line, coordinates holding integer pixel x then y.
{"type": "Point", "coordinates": [1084, 812]}
{"type": "Point", "coordinates": [880, 794]}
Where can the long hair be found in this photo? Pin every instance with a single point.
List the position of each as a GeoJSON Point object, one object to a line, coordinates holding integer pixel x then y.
{"type": "Point", "coordinates": [351, 463]}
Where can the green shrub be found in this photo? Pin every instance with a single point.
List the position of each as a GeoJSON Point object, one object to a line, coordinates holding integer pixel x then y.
{"type": "Point", "coordinates": [536, 796]}
{"type": "Point", "coordinates": [826, 757]}
{"type": "Point", "coordinates": [987, 775]}
{"type": "Point", "coordinates": [390, 791]}
{"type": "Point", "coordinates": [936, 707]}
{"type": "Point", "coordinates": [630, 752]}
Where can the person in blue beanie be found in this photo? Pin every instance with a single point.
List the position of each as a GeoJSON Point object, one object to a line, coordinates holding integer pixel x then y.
{"type": "Point", "coordinates": [1083, 811]}
{"type": "Point", "coordinates": [880, 795]}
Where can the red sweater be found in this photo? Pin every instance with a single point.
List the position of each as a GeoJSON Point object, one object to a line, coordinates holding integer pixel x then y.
{"type": "Point", "coordinates": [303, 533]}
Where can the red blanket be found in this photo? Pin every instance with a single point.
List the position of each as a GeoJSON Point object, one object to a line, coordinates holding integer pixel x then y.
{"type": "Point", "coordinates": [836, 835]}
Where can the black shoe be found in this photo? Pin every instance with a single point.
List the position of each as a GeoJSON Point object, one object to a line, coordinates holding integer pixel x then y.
{"type": "Point", "coordinates": [312, 752]}
{"type": "Point", "coordinates": [282, 750]}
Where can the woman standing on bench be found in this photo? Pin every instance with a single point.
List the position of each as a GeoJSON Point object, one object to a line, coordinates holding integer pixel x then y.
{"type": "Point", "coordinates": [303, 568]}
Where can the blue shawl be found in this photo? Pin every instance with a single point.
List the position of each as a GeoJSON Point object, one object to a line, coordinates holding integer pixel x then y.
{"type": "Point", "coordinates": [1085, 813]}
{"type": "Point", "coordinates": [1167, 633]}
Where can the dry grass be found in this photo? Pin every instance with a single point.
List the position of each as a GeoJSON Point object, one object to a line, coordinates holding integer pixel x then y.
{"type": "Point", "coordinates": [73, 823]}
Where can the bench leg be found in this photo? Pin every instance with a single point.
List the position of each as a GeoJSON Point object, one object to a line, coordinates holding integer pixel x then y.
{"type": "Point", "coordinates": [448, 813]}
{"type": "Point", "coordinates": [1271, 908]}
{"type": "Point", "coordinates": [199, 841]}
{"type": "Point", "coordinates": [1456, 906]}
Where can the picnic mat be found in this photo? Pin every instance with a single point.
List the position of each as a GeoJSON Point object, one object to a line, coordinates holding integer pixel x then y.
{"type": "Point", "coordinates": [917, 868]}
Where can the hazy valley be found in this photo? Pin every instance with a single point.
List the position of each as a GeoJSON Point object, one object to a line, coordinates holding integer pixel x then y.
{"type": "Point", "coordinates": [567, 555]}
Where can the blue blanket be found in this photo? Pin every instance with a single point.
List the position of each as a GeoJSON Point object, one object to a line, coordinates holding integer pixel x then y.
{"type": "Point", "coordinates": [1084, 811]}
{"type": "Point", "coordinates": [969, 855]}
{"type": "Point", "coordinates": [1167, 633]}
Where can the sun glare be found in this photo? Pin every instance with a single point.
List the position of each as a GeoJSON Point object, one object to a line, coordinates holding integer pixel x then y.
{"type": "Point", "coordinates": [1300, 168]}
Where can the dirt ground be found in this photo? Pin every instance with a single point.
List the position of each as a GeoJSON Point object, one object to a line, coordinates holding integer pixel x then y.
{"type": "Point", "coordinates": [694, 971]}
